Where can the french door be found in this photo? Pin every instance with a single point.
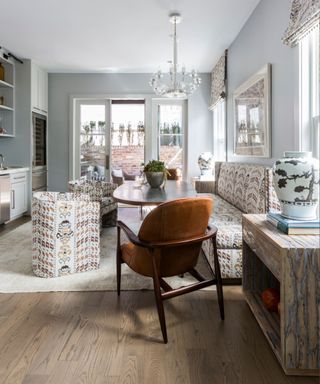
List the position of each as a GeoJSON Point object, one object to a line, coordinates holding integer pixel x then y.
{"type": "Point", "coordinates": [170, 122]}
{"type": "Point", "coordinates": [92, 139]}
{"type": "Point", "coordinates": [109, 135]}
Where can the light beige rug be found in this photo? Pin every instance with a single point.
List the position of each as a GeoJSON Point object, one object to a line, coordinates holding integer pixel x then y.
{"type": "Point", "coordinates": [16, 269]}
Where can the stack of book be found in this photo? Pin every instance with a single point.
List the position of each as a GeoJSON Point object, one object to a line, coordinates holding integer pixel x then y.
{"type": "Point", "coordinates": [294, 227]}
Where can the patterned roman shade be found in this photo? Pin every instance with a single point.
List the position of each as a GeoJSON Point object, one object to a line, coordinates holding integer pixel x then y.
{"type": "Point", "coordinates": [305, 14]}
{"type": "Point", "coordinates": [218, 80]}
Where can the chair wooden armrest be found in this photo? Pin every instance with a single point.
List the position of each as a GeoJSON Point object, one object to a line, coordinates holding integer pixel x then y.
{"type": "Point", "coordinates": [131, 235]}
{"type": "Point", "coordinates": [211, 232]}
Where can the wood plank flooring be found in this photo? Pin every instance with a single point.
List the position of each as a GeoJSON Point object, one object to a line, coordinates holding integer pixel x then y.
{"type": "Point", "coordinates": [5, 228]}
{"type": "Point", "coordinates": [98, 338]}
{"type": "Point", "coordinates": [94, 337]}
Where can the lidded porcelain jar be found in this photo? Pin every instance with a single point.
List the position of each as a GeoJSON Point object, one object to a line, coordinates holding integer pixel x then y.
{"type": "Point", "coordinates": [296, 182]}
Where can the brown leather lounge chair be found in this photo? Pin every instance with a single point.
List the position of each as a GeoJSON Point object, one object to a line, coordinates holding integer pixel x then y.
{"type": "Point", "coordinates": [168, 244]}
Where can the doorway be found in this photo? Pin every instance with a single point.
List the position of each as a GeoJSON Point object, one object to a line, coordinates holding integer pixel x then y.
{"type": "Point", "coordinates": [109, 135]}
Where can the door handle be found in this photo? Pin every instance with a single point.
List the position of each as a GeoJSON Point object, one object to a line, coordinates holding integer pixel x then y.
{"type": "Point", "coordinates": [13, 199]}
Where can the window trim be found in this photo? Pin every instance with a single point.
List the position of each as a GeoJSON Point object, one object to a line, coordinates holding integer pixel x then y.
{"type": "Point", "coordinates": [219, 113]}
{"type": "Point", "coordinates": [309, 98]}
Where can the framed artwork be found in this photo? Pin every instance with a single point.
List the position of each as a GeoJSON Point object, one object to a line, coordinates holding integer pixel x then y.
{"type": "Point", "coordinates": [252, 115]}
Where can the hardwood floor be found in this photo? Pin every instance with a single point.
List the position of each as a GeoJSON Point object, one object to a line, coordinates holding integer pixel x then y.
{"type": "Point", "coordinates": [94, 337]}
{"type": "Point", "coordinates": [5, 228]}
{"type": "Point", "coordinates": [98, 338]}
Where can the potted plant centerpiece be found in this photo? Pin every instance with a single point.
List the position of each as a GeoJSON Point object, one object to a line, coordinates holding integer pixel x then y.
{"type": "Point", "coordinates": [156, 173]}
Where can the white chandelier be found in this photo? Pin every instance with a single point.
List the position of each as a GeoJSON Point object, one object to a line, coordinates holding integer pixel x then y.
{"type": "Point", "coordinates": [175, 84]}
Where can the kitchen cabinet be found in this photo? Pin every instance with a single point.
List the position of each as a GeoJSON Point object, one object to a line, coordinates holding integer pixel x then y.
{"type": "Point", "coordinates": [19, 194]}
{"type": "Point", "coordinates": [39, 89]}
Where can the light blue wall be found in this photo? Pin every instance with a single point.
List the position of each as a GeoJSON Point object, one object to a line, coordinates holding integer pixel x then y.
{"type": "Point", "coordinates": [258, 43]}
{"type": "Point", "coordinates": [62, 86]}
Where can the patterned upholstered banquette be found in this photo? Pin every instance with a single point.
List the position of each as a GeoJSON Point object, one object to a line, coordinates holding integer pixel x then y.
{"type": "Point", "coordinates": [240, 188]}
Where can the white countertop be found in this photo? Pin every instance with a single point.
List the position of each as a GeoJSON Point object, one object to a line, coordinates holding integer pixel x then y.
{"type": "Point", "coordinates": [14, 170]}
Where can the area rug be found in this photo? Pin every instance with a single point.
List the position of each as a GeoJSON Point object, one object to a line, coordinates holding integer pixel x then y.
{"type": "Point", "coordinates": [16, 269]}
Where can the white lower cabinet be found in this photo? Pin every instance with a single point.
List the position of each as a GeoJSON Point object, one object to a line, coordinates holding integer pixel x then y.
{"type": "Point", "coordinates": [19, 194]}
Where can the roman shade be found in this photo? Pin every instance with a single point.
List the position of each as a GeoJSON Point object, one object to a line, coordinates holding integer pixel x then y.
{"type": "Point", "coordinates": [305, 14]}
{"type": "Point", "coordinates": [218, 81]}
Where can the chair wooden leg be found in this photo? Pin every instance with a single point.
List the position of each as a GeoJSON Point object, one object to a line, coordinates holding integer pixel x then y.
{"type": "Point", "coordinates": [218, 277]}
{"type": "Point", "coordinates": [159, 302]}
{"type": "Point", "coordinates": [119, 261]}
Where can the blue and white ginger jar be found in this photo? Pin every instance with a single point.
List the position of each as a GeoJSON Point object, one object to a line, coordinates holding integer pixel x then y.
{"type": "Point", "coordinates": [296, 182]}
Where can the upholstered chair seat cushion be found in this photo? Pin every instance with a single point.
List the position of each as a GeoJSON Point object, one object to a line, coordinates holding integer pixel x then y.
{"type": "Point", "coordinates": [224, 213]}
{"type": "Point", "coordinates": [107, 200]}
{"type": "Point", "coordinates": [227, 218]}
{"type": "Point", "coordinates": [229, 237]}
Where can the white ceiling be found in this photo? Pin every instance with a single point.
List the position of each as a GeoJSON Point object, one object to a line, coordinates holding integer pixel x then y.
{"type": "Point", "coordinates": [120, 35]}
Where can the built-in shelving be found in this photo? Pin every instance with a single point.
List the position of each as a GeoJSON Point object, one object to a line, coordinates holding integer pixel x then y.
{"type": "Point", "coordinates": [7, 97]}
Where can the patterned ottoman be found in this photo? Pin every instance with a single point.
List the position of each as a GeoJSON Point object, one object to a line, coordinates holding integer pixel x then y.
{"type": "Point", "coordinates": [66, 235]}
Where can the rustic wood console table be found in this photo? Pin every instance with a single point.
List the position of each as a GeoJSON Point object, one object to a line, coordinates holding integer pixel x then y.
{"type": "Point", "coordinates": [292, 265]}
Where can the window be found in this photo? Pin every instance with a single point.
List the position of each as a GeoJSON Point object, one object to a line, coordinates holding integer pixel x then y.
{"type": "Point", "coordinates": [169, 120]}
{"type": "Point", "coordinates": [219, 131]}
{"type": "Point", "coordinates": [309, 89]}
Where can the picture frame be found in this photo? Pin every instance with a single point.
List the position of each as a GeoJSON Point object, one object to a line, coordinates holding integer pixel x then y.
{"type": "Point", "coordinates": [252, 115]}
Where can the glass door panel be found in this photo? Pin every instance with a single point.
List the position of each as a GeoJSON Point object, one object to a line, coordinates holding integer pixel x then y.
{"type": "Point", "coordinates": [127, 135]}
{"type": "Point", "coordinates": [171, 135]}
{"type": "Point", "coordinates": [93, 148]}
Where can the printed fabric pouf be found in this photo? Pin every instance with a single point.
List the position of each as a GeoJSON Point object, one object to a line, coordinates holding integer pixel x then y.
{"type": "Point", "coordinates": [66, 234]}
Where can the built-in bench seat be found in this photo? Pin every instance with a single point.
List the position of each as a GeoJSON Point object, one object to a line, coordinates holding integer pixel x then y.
{"type": "Point", "coordinates": [239, 188]}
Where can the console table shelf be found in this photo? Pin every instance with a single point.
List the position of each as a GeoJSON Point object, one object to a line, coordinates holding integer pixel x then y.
{"type": "Point", "coordinates": [290, 264]}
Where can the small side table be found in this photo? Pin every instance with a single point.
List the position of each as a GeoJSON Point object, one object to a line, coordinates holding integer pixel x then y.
{"type": "Point", "coordinates": [203, 186]}
{"type": "Point", "coordinates": [292, 265]}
